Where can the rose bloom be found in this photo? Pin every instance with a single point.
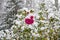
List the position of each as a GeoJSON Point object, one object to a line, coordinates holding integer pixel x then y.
{"type": "Point", "coordinates": [29, 20]}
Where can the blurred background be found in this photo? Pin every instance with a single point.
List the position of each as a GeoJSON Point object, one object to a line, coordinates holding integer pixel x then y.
{"type": "Point", "coordinates": [8, 9]}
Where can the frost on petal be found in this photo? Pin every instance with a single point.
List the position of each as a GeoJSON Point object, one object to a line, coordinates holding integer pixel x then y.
{"type": "Point", "coordinates": [35, 35]}
{"type": "Point", "coordinates": [2, 34]}
{"type": "Point", "coordinates": [51, 15]}
{"type": "Point", "coordinates": [25, 9]}
{"type": "Point", "coordinates": [57, 27]}
{"type": "Point", "coordinates": [42, 28]}
{"type": "Point", "coordinates": [17, 22]}
{"type": "Point", "coordinates": [19, 16]}
{"type": "Point", "coordinates": [31, 27]}
{"type": "Point", "coordinates": [35, 23]}
{"type": "Point", "coordinates": [22, 28]}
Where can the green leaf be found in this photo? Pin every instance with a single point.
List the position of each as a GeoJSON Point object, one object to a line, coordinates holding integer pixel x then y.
{"type": "Point", "coordinates": [27, 30]}
{"type": "Point", "coordinates": [40, 24]}
{"type": "Point", "coordinates": [15, 30]}
{"type": "Point", "coordinates": [51, 19]}
{"type": "Point", "coordinates": [40, 13]}
{"type": "Point", "coordinates": [4, 38]}
{"type": "Point", "coordinates": [20, 12]}
{"type": "Point", "coordinates": [31, 11]}
{"type": "Point", "coordinates": [51, 30]}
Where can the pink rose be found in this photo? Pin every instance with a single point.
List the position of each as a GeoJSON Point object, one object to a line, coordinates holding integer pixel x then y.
{"type": "Point", "coordinates": [29, 21]}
